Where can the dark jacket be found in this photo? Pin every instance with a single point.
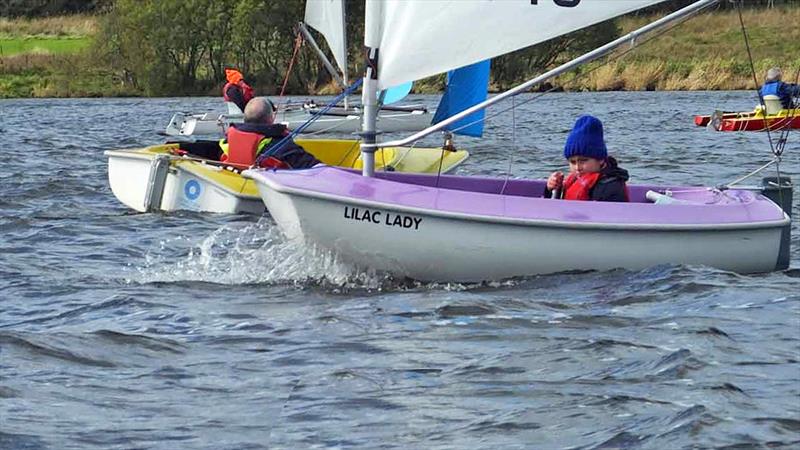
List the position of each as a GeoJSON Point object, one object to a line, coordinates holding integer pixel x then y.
{"type": "Point", "coordinates": [611, 185]}
{"type": "Point", "coordinates": [786, 92]}
{"type": "Point", "coordinates": [238, 93]}
{"type": "Point", "coordinates": [293, 155]}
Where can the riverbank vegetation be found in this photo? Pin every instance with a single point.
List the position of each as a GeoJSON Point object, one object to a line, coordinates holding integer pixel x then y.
{"type": "Point", "coordinates": [707, 52]}
{"type": "Point", "coordinates": [169, 48]}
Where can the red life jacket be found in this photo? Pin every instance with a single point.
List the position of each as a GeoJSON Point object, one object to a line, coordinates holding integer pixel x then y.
{"type": "Point", "coordinates": [578, 187]}
{"type": "Point", "coordinates": [243, 148]}
{"type": "Point", "coordinates": [247, 92]}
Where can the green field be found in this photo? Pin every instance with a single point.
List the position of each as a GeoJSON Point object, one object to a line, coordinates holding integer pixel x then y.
{"type": "Point", "coordinates": [53, 57]}
{"type": "Point", "coordinates": [43, 45]}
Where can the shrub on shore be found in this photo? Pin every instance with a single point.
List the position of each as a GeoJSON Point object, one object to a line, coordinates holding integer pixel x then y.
{"type": "Point", "coordinates": [688, 57]}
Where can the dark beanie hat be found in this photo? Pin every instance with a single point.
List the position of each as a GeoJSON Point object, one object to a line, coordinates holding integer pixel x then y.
{"type": "Point", "coordinates": [586, 139]}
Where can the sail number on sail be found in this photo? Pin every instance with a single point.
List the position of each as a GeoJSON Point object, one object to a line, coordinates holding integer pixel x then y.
{"type": "Point", "coordinates": [564, 3]}
{"type": "Point", "coordinates": [379, 217]}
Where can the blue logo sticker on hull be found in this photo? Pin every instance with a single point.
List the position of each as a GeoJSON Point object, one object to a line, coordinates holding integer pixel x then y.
{"type": "Point", "coordinates": [192, 189]}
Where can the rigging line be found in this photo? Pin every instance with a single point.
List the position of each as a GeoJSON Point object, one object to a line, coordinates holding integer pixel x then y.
{"type": "Point", "coordinates": [617, 56]}
{"type": "Point", "coordinates": [383, 159]}
{"type": "Point", "coordinates": [333, 127]}
{"type": "Point", "coordinates": [789, 119]}
{"type": "Point", "coordinates": [314, 117]}
{"type": "Point", "coordinates": [298, 41]}
{"type": "Point", "coordinates": [513, 142]}
{"type": "Point", "coordinates": [441, 161]}
{"type": "Point", "coordinates": [405, 154]}
{"type": "Point", "coordinates": [775, 160]}
{"type": "Point", "coordinates": [755, 77]}
{"type": "Point", "coordinates": [348, 152]}
{"type": "Point", "coordinates": [776, 152]}
{"type": "Point", "coordinates": [439, 170]}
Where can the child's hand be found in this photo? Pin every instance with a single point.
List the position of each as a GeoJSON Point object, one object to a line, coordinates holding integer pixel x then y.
{"type": "Point", "coordinates": [555, 181]}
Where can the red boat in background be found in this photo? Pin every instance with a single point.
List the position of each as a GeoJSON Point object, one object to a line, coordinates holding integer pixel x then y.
{"type": "Point", "coordinates": [770, 116]}
{"type": "Point", "coordinates": [751, 121]}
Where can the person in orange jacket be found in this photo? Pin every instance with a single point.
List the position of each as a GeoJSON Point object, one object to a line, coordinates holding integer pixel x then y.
{"type": "Point", "coordinates": [236, 90]}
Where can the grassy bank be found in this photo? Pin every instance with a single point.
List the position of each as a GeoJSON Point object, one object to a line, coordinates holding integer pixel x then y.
{"type": "Point", "coordinates": [52, 57]}
{"type": "Point", "coordinates": [707, 52]}
{"type": "Point", "coordinates": [71, 26]}
{"type": "Point", "coordinates": [43, 45]}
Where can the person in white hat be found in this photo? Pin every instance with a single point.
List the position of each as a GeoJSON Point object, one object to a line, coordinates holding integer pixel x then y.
{"type": "Point", "coordinates": [787, 92]}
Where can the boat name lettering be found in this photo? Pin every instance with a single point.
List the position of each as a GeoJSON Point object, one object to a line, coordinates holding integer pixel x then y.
{"type": "Point", "coordinates": [564, 3]}
{"type": "Point", "coordinates": [378, 217]}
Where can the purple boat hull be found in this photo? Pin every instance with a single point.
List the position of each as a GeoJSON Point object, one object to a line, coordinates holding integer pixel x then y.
{"type": "Point", "coordinates": [453, 228]}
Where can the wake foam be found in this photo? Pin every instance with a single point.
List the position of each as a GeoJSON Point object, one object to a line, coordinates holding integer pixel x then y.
{"type": "Point", "coordinates": [257, 253]}
{"type": "Point", "coordinates": [253, 253]}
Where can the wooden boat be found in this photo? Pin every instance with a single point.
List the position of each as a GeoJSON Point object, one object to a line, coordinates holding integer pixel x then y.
{"type": "Point", "coordinates": [188, 176]}
{"type": "Point", "coordinates": [463, 228]}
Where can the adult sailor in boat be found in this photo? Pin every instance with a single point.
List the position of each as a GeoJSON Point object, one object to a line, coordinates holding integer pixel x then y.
{"type": "Point", "coordinates": [250, 142]}
{"type": "Point", "coordinates": [778, 109]}
{"type": "Point", "coordinates": [773, 85]}
{"type": "Point", "coordinates": [236, 90]}
{"type": "Point", "coordinates": [593, 174]}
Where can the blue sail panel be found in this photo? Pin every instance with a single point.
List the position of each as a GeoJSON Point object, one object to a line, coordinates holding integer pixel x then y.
{"type": "Point", "coordinates": [466, 86]}
{"type": "Point", "coordinates": [395, 93]}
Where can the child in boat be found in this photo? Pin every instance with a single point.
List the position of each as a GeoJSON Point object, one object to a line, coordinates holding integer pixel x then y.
{"type": "Point", "coordinates": [593, 175]}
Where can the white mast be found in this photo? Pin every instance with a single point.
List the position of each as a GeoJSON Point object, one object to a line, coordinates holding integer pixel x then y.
{"type": "Point", "coordinates": [369, 88]}
{"type": "Point", "coordinates": [344, 46]}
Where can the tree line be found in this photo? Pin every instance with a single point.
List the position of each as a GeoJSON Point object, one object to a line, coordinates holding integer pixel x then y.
{"type": "Point", "coordinates": [170, 47]}
{"type": "Point", "coordinates": [42, 8]}
{"type": "Point", "coordinates": [45, 8]}
{"type": "Point", "coordinates": [181, 47]}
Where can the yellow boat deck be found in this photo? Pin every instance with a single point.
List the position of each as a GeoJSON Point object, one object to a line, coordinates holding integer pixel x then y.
{"type": "Point", "coordinates": [333, 152]}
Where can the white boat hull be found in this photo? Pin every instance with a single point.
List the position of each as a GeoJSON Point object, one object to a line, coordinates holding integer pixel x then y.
{"type": "Point", "coordinates": [159, 178]}
{"type": "Point", "coordinates": [200, 124]}
{"type": "Point", "coordinates": [431, 245]}
{"type": "Point", "coordinates": [388, 121]}
{"type": "Point", "coordinates": [183, 188]}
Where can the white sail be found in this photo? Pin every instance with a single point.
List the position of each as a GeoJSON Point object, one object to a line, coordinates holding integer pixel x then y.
{"type": "Point", "coordinates": [420, 38]}
{"type": "Point", "coordinates": [327, 17]}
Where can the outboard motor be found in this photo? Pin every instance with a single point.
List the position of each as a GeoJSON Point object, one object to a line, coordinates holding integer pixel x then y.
{"type": "Point", "coordinates": [779, 190]}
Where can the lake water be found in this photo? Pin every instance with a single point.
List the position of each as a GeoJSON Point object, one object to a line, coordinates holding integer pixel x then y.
{"type": "Point", "coordinates": [186, 330]}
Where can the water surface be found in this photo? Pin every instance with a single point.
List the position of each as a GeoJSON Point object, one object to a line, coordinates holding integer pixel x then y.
{"type": "Point", "coordinates": [186, 330]}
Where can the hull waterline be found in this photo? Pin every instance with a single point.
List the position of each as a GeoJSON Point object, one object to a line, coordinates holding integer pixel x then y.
{"type": "Point", "coordinates": [430, 241]}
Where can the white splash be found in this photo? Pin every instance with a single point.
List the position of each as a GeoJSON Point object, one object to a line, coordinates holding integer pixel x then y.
{"type": "Point", "coordinates": [250, 253]}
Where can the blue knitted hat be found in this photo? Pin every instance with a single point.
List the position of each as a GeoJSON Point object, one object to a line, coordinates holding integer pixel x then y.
{"type": "Point", "coordinates": [586, 139]}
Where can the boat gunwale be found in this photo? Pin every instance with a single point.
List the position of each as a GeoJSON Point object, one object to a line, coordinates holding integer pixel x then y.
{"type": "Point", "coordinates": [257, 176]}
{"type": "Point", "coordinates": [180, 163]}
